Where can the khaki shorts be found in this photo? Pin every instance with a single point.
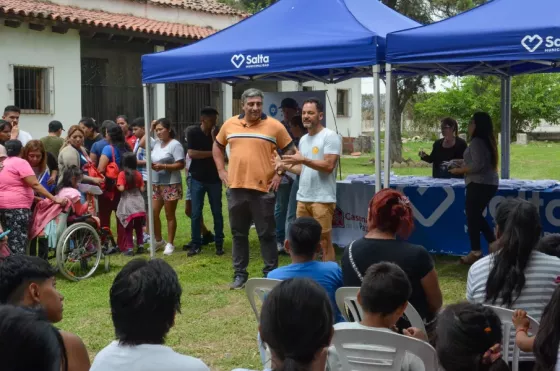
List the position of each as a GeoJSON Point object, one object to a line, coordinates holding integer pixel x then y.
{"type": "Point", "coordinates": [168, 192]}
{"type": "Point", "coordinates": [322, 212]}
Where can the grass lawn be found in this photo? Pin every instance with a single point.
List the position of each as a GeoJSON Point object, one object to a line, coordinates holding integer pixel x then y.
{"type": "Point", "coordinates": [216, 324]}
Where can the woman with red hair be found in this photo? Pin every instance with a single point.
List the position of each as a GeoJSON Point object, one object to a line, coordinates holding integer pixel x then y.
{"type": "Point", "coordinates": [389, 216]}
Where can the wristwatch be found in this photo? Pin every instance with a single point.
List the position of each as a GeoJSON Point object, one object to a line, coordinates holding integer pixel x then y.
{"type": "Point", "coordinates": [280, 172]}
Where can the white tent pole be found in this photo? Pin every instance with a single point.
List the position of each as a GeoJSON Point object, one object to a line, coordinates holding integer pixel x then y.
{"type": "Point", "coordinates": [508, 127]}
{"type": "Point", "coordinates": [377, 126]}
{"type": "Point", "coordinates": [147, 128]}
{"type": "Point", "coordinates": [388, 85]}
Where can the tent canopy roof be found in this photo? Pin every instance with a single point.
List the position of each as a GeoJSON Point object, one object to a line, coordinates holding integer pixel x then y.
{"type": "Point", "coordinates": [502, 37]}
{"type": "Point", "coordinates": [302, 40]}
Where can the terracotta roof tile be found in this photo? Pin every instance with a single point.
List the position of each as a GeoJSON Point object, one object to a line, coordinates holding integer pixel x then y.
{"type": "Point", "coordinates": [209, 6]}
{"type": "Point", "coordinates": [96, 18]}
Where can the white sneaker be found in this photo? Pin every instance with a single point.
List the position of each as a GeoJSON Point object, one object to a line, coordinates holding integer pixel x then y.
{"type": "Point", "coordinates": [160, 244]}
{"type": "Point", "coordinates": [169, 248]}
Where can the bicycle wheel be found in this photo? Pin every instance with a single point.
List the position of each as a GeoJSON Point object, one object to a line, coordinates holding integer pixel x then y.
{"type": "Point", "coordinates": [78, 252]}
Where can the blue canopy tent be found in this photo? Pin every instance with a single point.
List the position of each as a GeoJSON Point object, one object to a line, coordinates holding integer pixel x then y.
{"type": "Point", "coordinates": [502, 38]}
{"type": "Point", "coordinates": [302, 40]}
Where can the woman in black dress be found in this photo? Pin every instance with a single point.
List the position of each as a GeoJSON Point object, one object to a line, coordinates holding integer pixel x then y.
{"type": "Point", "coordinates": [448, 148]}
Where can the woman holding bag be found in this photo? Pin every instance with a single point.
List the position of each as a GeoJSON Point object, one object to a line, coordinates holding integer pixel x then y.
{"type": "Point", "coordinates": [73, 153]}
{"type": "Point", "coordinates": [109, 166]}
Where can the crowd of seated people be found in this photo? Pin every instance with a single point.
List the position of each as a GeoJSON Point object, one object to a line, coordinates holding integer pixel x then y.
{"type": "Point", "coordinates": [300, 317]}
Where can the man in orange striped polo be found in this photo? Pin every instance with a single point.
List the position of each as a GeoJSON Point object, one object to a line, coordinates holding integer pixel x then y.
{"type": "Point", "coordinates": [251, 179]}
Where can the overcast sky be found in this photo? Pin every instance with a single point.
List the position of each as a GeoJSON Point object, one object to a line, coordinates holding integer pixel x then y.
{"type": "Point", "coordinates": [367, 86]}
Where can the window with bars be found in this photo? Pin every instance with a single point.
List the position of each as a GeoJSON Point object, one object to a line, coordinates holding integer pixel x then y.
{"type": "Point", "coordinates": [32, 89]}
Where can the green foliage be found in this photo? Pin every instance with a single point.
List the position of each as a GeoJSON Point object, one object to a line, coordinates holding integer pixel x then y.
{"type": "Point", "coordinates": [534, 98]}
{"type": "Point", "coordinates": [250, 6]}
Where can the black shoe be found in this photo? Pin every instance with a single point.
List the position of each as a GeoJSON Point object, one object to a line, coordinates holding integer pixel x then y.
{"type": "Point", "coordinates": [238, 283]}
{"type": "Point", "coordinates": [140, 250]}
{"type": "Point", "coordinates": [194, 250]}
{"type": "Point", "coordinates": [128, 252]}
{"type": "Point", "coordinates": [219, 250]}
{"type": "Point", "coordinates": [208, 238]}
{"type": "Point", "coordinates": [187, 247]}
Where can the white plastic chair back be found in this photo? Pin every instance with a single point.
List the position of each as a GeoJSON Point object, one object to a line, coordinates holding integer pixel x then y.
{"type": "Point", "coordinates": [259, 287]}
{"type": "Point", "coordinates": [347, 300]}
{"type": "Point", "coordinates": [375, 350]}
{"type": "Point", "coordinates": [508, 341]}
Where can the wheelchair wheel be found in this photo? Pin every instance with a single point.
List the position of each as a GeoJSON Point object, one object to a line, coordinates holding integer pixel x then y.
{"type": "Point", "coordinates": [78, 252]}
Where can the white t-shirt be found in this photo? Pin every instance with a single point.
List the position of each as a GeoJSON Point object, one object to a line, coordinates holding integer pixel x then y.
{"type": "Point", "coordinates": [316, 186]}
{"type": "Point", "coordinates": [146, 357]}
{"type": "Point", "coordinates": [169, 154]}
{"type": "Point", "coordinates": [24, 137]}
{"type": "Point", "coordinates": [411, 362]}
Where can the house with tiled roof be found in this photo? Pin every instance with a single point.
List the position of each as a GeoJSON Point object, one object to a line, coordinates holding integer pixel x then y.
{"type": "Point", "coordinates": [67, 59]}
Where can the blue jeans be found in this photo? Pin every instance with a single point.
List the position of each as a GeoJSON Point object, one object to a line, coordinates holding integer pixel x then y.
{"type": "Point", "coordinates": [281, 210]}
{"type": "Point", "coordinates": [214, 190]}
{"type": "Point", "coordinates": [292, 204]}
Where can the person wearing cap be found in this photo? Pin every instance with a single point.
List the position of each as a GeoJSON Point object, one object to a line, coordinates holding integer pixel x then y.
{"type": "Point", "coordinates": [53, 142]}
{"type": "Point", "coordinates": [204, 179]}
{"type": "Point", "coordinates": [290, 109]}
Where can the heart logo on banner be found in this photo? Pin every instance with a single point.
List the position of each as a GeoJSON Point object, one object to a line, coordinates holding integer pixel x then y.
{"type": "Point", "coordinates": [238, 60]}
{"type": "Point", "coordinates": [438, 212]}
{"type": "Point", "coordinates": [531, 43]}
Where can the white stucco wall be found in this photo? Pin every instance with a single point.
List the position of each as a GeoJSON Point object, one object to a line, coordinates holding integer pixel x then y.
{"type": "Point", "coordinates": [347, 126]}
{"type": "Point", "coordinates": [160, 13]}
{"type": "Point", "coordinates": [22, 46]}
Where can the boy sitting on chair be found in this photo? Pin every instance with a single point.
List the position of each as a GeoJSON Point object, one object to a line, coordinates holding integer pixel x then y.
{"type": "Point", "coordinates": [383, 297]}
{"type": "Point", "coordinates": [29, 281]}
{"type": "Point", "coordinates": [303, 245]}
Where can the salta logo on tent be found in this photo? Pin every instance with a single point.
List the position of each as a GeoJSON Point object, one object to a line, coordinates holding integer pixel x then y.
{"type": "Point", "coordinates": [250, 61]}
{"type": "Point", "coordinates": [533, 42]}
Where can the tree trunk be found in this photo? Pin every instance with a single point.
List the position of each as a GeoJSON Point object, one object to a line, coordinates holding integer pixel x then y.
{"type": "Point", "coordinates": [396, 114]}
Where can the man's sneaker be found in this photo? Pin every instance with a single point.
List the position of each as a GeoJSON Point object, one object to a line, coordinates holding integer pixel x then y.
{"type": "Point", "coordinates": [160, 244]}
{"type": "Point", "coordinates": [194, 250]}
{"type": "Point", "coordinates": [169, 248]}
{"type": "Point", "coordinates": [187, 247]}
{"type": "Point", "coordinates": [280, 247]}
{"type": "Point", "coordinates": [220, 250]}
{"type": "Point", "coordinates": [129, 252]}
{"type": "Point", "coordinates": [238, 283]}
{"type": "Point", "coordinates": [140, 250]}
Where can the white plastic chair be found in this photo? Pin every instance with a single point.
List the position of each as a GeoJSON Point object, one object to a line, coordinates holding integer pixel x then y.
{"type": "Point", "coordinates": [374, 350]}
{"type": "Point", "coordinates": [508, 341]}
{"type": "Point", "coordinates": [347, 298]}
{"type": "Point", "coordinates": [260, 287]}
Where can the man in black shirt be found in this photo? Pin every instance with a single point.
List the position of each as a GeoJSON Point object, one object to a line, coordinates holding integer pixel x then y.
{"type": "Point", "coordinates": [205, 179]}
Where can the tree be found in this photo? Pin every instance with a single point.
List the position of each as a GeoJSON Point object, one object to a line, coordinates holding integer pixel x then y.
{"type": "Point", "coordinates": [250, 6]}
{"type": "Point", "coordinates": [533, 97]}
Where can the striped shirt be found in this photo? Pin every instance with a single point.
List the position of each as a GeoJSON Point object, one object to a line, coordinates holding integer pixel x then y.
{"type": "Point", "coordinates": [540, 276]}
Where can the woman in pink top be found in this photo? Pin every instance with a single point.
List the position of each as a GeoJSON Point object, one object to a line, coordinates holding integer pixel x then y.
{"type": "Point", "coordinates": [17, 184]}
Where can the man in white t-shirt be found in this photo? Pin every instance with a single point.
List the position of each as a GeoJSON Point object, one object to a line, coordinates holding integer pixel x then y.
{"type": "Point", "coordinates": [11, 114]}
{"type": "Point", "coordinates": [145, 298]}
{"type": "Point", "coordinates": [316, 162]}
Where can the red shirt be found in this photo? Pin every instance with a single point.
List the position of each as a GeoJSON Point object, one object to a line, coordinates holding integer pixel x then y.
{"type": "Point", "coordinates": [138, 181]}
{"type": "Point", "coordinates": [131, 141]}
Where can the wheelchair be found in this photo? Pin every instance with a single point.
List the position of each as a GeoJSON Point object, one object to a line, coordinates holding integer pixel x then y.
{"type": "Point", "coordinates": [80, 244]}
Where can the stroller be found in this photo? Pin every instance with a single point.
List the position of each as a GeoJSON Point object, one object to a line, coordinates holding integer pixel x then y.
{"type": "Point", "coordinates": [77, 243]}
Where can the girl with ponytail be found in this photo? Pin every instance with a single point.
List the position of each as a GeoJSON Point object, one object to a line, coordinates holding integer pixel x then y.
{"type": "Point", "coordinates": [297, 325]}
{"type": "Point", "coordinates": [469, 338]}
{"type": "Point", "coordinates": [515, 275]}
{"type": "Point", "coordinates": [390, 216]}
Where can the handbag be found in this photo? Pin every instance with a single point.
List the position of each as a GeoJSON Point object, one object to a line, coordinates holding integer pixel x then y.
{"type": "Point", "coordinates": [112, 170]}
{"type": "Point", "coordinates": [92, 170]}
